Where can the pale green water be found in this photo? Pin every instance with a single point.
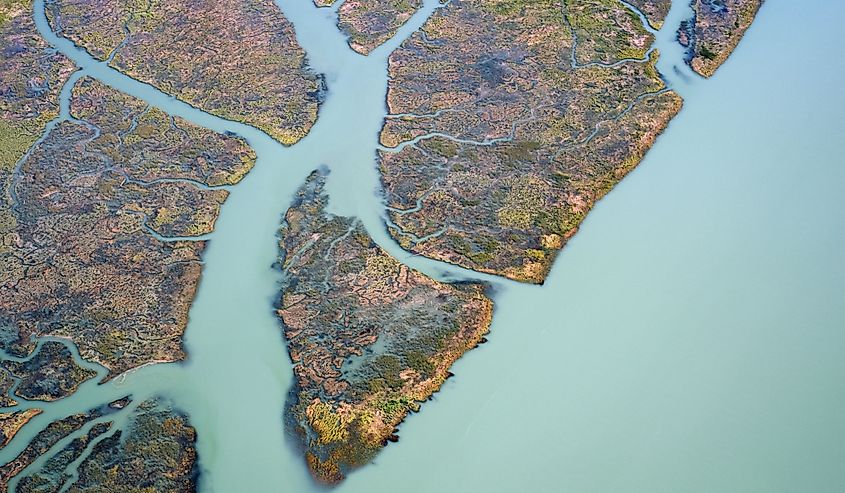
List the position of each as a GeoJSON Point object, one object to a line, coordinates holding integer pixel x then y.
{"type": "Point", "coordinates": [690, 338]}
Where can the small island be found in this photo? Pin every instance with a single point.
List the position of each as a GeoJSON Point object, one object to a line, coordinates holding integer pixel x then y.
{"type": "Point", "coordinates": [654, 10]}
{"type": "Point", "coordinates": [370, 339]}
{"type": "Point", "coordinates": [714, 32]}
{"type": "Point", "coordinates": [369, 23]}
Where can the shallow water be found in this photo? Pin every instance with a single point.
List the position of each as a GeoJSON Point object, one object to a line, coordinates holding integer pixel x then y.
{"type": "Point", "coordinates": [688, 339]}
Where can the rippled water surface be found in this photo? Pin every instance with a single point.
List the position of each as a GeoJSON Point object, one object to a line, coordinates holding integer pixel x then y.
{"type": "Point", "coordinates": [690, 337]}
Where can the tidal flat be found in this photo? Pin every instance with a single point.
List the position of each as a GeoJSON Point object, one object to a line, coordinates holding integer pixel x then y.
{"type": "Point", "coordinates": [153, 450]}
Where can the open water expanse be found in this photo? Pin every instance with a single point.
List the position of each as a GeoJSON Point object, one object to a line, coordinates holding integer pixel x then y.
{"type": "Point", "coordinates": [690, 337]}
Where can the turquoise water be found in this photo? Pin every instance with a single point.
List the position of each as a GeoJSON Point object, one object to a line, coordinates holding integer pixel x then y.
{"type": "Point", "coordinates": [688, 339]}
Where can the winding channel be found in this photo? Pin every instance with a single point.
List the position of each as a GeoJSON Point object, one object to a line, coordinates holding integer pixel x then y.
{"type": "Point", "coordinates": [235, 381]}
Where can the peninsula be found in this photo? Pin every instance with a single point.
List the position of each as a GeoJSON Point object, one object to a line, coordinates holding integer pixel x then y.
{"type": "Point", "coordinates": [714, 31]}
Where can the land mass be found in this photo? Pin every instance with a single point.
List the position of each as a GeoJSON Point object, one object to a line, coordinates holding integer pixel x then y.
{"type": "Point", "coordinates": [101, 203]}
{"type": "Point", "coordinates": [369, 23]}
{"type": "Point", "coordinates": [101, 214]}
{"type": "Point", "coordinates": [154, 450]}
{"type": "Point", "coordinates": [508, 121]}
{"type": "Point", "coordinates": [52, 434]}
{"type": "Point", "coordinates": [237, 59]}
{"type": "Point", "coordinates": [715, 30]}
{"type": "Point", "coordinates": [370, 338]}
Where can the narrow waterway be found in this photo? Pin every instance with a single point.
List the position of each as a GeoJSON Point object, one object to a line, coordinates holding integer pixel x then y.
{"type": "Point", "coordinates": [688, 339]}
